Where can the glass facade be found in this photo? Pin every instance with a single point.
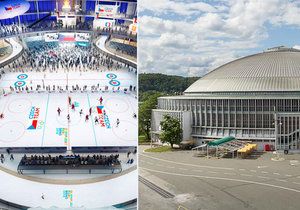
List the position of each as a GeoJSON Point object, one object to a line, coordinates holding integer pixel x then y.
{"type": "Point", "coordinates": [246, 119]}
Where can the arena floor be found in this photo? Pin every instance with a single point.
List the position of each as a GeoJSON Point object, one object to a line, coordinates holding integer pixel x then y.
{"type": "Point", "coordinates": [31, 119]}
{"type": "Point", "coordinates": [68, 190]}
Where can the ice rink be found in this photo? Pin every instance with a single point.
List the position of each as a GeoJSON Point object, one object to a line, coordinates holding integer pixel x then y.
{"type": "Point", "coordinates": [31, 119]}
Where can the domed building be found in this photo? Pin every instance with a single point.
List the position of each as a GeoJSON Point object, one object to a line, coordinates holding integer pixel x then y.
{"type": "Point", "coordinates": [254, 98]}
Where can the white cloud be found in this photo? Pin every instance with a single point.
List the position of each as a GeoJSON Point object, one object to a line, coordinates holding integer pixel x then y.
{"type": "Point", "coordinates": [159, 7]}
{"type": "Point", "coordinates": [206, 36]}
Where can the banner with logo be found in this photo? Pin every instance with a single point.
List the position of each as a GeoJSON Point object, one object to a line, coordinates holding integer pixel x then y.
{"type": "Point", "coordinates": [133, 28]}
{"type": "Point", "coordinates": [67, 37]}
{"type": "Point", "coordinates": [13, 8]}
{"type": "Point", "coordinates": [103, 23]}
{"type": "Point", "coordinates": [106, 10]}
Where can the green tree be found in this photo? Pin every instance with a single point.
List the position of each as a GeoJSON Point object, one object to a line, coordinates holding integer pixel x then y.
{"type": "Point", "coordinates": [171, 130]}
{"type": "Point", "coordinates": [145, 110]}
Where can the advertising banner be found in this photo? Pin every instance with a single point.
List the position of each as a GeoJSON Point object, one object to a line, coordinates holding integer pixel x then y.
{"type": "Point", "coordinates": [106, 10]}
{"type": "Point", "coordinates": [13, 8]}
{"type": "Point", "coordinates": [103, 23]}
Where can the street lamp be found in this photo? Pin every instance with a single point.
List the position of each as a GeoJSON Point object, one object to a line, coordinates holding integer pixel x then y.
{"type": "Point", "coordinates": [276, 123]}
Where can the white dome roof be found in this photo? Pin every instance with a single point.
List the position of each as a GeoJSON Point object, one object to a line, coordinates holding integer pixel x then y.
{"type": "Point", "coordinates": [271, 71]}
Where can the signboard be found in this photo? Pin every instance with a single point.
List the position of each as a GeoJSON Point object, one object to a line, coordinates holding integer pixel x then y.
{"type": "Point", "coordinates": [106, 10]}
{"type": "Point", "coordinates": [133, 28]}
{"type": "Point", "coordinates": [67, 37]}
{"type": "Point", "coordinates": [13, 8]}
{"type": "Point", "coordinates": [103, 23]}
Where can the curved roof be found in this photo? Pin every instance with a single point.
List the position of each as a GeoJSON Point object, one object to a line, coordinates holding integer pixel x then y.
{"type": "Point", "coordinates": [271, 71]}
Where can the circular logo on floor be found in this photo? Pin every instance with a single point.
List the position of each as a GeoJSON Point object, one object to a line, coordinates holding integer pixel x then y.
{"type": "Point", "coordinates": [114, 82]}
{"type": "Point", "coordinates": [111, 76]}
{"type": "Point", "coordinates": [20, 83]}
{"type": "Point", "coordinates": [22, 76]}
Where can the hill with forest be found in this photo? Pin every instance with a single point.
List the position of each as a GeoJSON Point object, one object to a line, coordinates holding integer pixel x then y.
{"type": "Point", "coordinates": [166, 84]}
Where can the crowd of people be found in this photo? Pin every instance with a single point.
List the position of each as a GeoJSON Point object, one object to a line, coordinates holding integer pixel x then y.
{"type": "Point", "coordinates": [15, 28]}
{"type": "Point", "coordinates": [51, 57]}
{"type": "Point", "coordinates": [72, 160]}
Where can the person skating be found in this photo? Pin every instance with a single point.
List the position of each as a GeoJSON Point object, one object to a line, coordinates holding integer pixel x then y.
{"type": "Point", "coordinates": [101, 100]}
{"type": "Point", "coordinates": [68, 117]}
{"type": "Point", "coordinates": [90, 111]}
{"type": "Point", "coordinates": [96, 120]}
{"type": "Point", "coordinates": [73, 107]}
{"type": "Point", "coordinates": [1, 116]}
{"type": "Point", "coordinates": [70, 100]}
{"type": "Point", "coordinates": [80, 112]}
{"type": "Point", "coordinates": [118, 122]}
{"type": "Point", "coordinates": [87, 118]}
{"type": "Point", "coordinates": [58, 111]}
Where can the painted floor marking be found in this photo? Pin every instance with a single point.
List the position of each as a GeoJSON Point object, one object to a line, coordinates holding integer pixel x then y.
{"type": "Point", "coordinates": [226, 179]}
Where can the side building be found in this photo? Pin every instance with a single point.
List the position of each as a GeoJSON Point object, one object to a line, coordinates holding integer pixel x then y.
{"type": "Point", "coordinates": [254, 98]}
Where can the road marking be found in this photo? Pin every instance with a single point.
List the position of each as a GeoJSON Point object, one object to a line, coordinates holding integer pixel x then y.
{"type": "Point", "coordinates": [170, 167]}
{"type": "Point", "coordinates": [264, 172]}
{"type": "Point", "coordinates": [212, 172]}
{"type": "Point", "coordinates": [181, 207]}
{"type": "Point", "coordinates": [280, 180]}
{"type": "Point", "coordinates": [246, 175]}
{"type": "Point", "coordinates": [296, 183]}
{"type": "Point", "coordinates": [230, 173]}
{"type": "Point", "coordinates": [183, 169]}
{"type": "Point", "coordinates": [241, 169]}
{"type": "Point", "coordinates": [253, 171]}
{"type": "Point", "coordinates": [262, 166]}
{"type": "Point", "coordinates": [186, 164]}
{"type": "Point", "coordinates": [223, 178]}
{"type": "Point", "coordinates": [198, 170]}
{"type": "Point", "coordinates": [263, 177]}
{"type": "Point", "coordinates": [276, 174]}
{"type": "Point", "coordinates": [288, 175]}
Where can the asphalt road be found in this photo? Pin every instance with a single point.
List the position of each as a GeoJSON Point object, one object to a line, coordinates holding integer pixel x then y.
{"type": "Point", "coordinates": [201, 183]}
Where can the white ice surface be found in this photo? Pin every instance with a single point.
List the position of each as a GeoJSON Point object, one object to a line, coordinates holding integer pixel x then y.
{"type": "Point", "coordinates": [71, 78]}
{"type": "Point", "coordinates": [100, 194]}
{"type": "Point", "coordinates": [16, 108]}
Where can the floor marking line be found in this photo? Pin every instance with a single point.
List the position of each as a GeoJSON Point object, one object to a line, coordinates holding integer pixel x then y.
{"type": "Point", "coordinates": [184, 169]}
{"type": "Point", "coordinates": [45, 119]}
{"type": "Point", "coordinates": [263, 177]}
{"type": "Point", "coordinates": [92, 120]}
{"type": "Point", "coordinates": [246, 175]}
{"type": "Point", "coordinates": [296, 183]}
{"type": "Point", "coordinates": [230, 173]}
{"type": "Point", "coordinates": [276, 174]}
{"type": "Point", "coordinates": [280, 180]}
{"type": "Point", "coordinates": [222, 178]}
{"type": "Point", "coordinates": [186, 164]}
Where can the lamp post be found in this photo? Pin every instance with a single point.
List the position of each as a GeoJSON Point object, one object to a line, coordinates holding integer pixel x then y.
{"type": "Point", "coordinates": [276, 123]}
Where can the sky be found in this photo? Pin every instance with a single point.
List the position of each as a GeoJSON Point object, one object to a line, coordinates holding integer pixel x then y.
{"type": "Point", "coordinates": [193, 37]}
